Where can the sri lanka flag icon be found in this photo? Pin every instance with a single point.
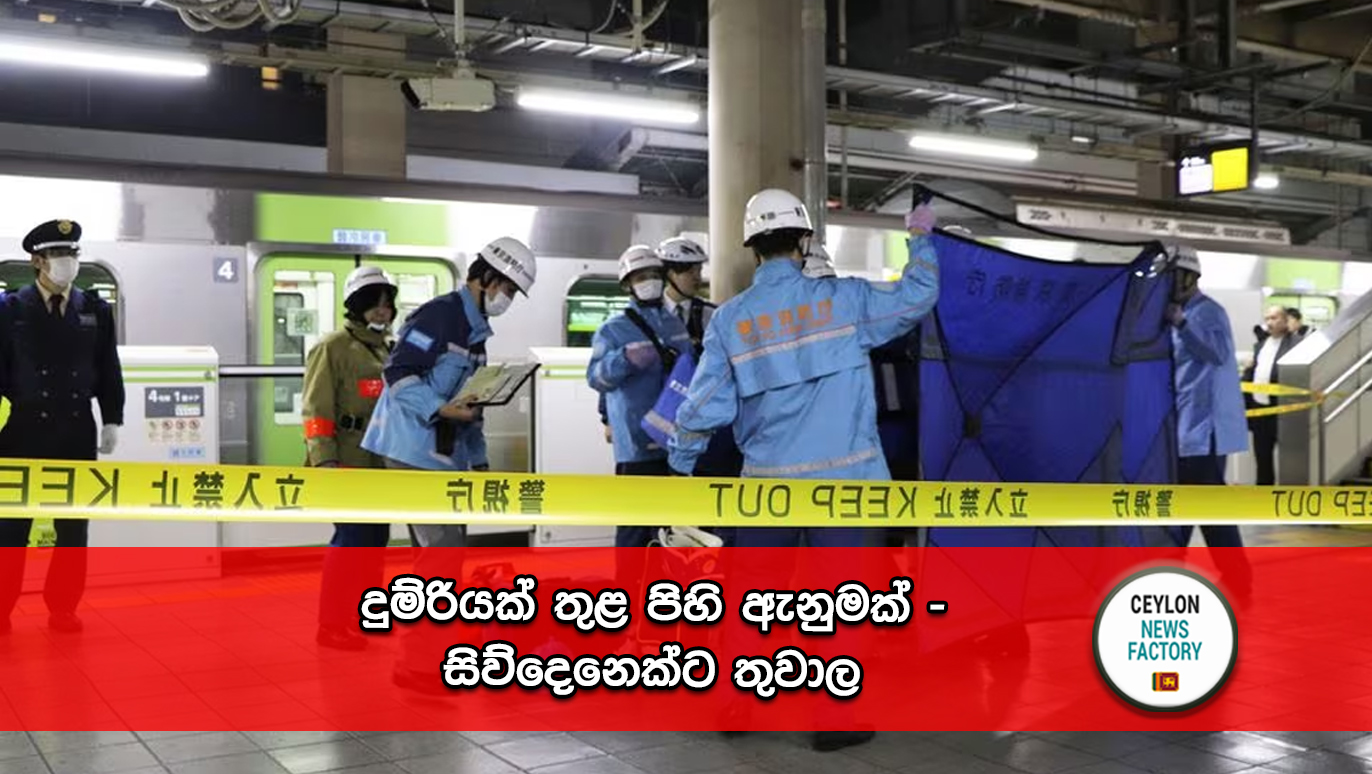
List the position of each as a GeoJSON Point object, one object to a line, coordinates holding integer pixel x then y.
{"type": "Point", "coordinates": [1166, 681]}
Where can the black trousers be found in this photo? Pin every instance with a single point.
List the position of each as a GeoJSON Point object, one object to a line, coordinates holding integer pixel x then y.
{"type": "Point", "coordinates": [630, 537]}
{"type": "Point", "coordinates": [1207, 470]}
{"type": "Point", "coordinates": [1265, 449]}
{"type": "Point", "coordinates": [66, 581]}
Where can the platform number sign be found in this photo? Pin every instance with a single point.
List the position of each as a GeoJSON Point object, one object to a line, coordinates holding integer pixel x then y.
{"type": "Point", "coordinates": [225, 269]}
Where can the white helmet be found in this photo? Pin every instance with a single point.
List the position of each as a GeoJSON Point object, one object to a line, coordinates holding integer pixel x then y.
{"type": "Point", "coordinates": [1184, 257]}
{"type": "Point", "coordinates": [681, 250]}
{"type": "Point", "coordinates": [638, 257]}
{"type": "Point", "coordinates": [773, 210]}
{"type": "Point", "coordinates": [365, 276]}
{"type": "Point", "coordinates": [513, 260]}
{"type": "Point", "coordinates": [817, 263]}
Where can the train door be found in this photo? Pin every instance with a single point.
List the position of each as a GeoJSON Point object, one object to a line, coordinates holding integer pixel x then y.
{"type": "Point", "coordinates": [299, 300]}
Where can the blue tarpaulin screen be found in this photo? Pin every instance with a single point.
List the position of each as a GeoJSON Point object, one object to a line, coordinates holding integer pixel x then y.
{"type": "Point", "coordinates": [1035, 370]}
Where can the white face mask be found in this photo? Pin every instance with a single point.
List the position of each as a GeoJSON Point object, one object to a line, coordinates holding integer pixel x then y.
{"type": "Point", "coordinates": [648, 290]}
{"type": "Point", "coordinates": [498, 305]}
{"type": "Point", "coordinates": [61, 271]}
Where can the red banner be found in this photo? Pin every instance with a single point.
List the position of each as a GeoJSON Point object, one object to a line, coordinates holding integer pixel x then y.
{"type": "Point", "coordinates": [675, 639]}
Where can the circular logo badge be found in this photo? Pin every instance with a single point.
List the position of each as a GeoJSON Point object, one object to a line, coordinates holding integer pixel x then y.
{"type": "Point", "coordinates": [1165, 640]}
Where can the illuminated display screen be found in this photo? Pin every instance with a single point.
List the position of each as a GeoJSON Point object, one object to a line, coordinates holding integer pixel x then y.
{"type": "Point", "coordinates": [1213, 170]}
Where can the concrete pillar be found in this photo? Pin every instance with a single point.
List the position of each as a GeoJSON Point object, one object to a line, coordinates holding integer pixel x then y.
{"type": "Point", "coordinates": [815, 110]}
{"type": "Point", "coordinates": [754, 113]}
{"type": "Point", "coordinates": [366, 116]}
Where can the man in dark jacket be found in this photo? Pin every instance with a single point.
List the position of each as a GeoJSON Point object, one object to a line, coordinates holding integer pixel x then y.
{"type": "Point", "coordinates": [1266, 354]}
{"type": "Point", "coordinates": [58, 351]}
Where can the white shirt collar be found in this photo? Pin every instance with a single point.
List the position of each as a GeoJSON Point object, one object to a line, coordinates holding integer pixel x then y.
{"type": "Point", "coordinates": [671, 305]}
{"type": "Point", "coordinates": [47, 297]}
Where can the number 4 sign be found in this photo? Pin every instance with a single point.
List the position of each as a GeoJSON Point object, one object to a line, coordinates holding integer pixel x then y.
{"type": "Point", "coordinates": [225, 269]}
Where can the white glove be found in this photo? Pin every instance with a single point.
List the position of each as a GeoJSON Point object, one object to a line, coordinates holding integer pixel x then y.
{"type": "Point", "coordinates": [109, 436]}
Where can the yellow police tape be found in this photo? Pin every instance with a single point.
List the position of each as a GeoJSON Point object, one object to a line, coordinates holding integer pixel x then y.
{"type": "Point", "coordinates": [181, 492]}
{"type": "Point", "coordinates": [1253, 388]}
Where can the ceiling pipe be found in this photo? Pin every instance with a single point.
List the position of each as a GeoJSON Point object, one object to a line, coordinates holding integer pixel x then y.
{"type": "Point", "coordinates": [1320, 176]}
{"type": "Point", "coordinates": [1341, 12]}
{"type": "Point", "coordinates": [1083, 11]}
{"type": "Point", "coordinates": [1128, 20]}
{"type": "Point", "coordinates": [1056, 181]}
{"type": "Point", "coordinates": [1272, 6]}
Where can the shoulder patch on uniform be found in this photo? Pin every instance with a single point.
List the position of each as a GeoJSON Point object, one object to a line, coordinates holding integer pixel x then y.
{"type": "Point", "coordinates": [419, 340]}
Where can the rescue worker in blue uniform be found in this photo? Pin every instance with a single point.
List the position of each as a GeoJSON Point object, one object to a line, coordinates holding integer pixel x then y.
{"type": "Point", "coordinates": [632, 354]}
{"type": "Point", "coordinates": [418, 423]}
{"type": "Point", "coordinates": [895, 368]}
{"type": "Point", "coordinates": [787, 363]}
{"type": "Point", "coordinates": [58, 351]}
{"type": "Point", "coordinates": [342, 384]}
{"type": "Point", "coordinates": [1211, 421]}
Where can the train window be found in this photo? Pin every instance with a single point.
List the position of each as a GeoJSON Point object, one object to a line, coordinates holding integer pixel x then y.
{"type": "Point", "coordinates": [414, 290]}
{"type": "Point", "coordinates": [590, 302]}
{"type": "Point", "coordinates": [92, 278]}
{"type": "Point", "coordinates": [298, 298]}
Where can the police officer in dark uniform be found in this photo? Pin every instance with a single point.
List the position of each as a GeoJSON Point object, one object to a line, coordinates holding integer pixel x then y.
{"type": "Point", "coordinates": [57, 353]}
{"type": "Point", "coordinates": [684, 261]}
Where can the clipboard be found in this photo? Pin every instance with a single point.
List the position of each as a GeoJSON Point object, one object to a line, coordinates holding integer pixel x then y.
{"type": "Point", "coordinates": [496, 385]}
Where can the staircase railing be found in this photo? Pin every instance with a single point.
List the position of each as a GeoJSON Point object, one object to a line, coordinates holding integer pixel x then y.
{"type": "Point", "coordinates": [1328, 443]}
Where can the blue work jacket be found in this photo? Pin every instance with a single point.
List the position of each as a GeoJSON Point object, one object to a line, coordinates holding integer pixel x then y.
{"type": "Point", "coordinates": [1209, 399]}
{"type": "Point", "coordinates": [787, 364]}
{"type": "Point", "coordinates": [437, 350]}
{"type": "Point", "coordinates": [630, 391]}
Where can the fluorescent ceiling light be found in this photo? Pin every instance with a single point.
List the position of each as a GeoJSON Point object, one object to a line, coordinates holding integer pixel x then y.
{"type": "Point", "coordinates": [1266, 181]}
{"type": "Point", "coordinates": [609, 106]}
{"type": "Point", "coordinates": [407, 200]}
{"type": "Point", "coordinates": [87, 56]}
{"type": "Point", "coordinates": [966, 145]}
{"type": "Point", "coordinates": [1082, 139]}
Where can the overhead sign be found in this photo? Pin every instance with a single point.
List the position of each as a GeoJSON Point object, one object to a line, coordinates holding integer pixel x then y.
{"type": "Point", "coordinates": [1213, 169]}
{"type": "Point", "coordinates": [1160, 226]}
{"type": "Point", "coordinates": [354, 236]}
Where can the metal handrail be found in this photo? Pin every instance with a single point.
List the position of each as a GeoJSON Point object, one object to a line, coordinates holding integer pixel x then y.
{"type": "Point", "coordinates": [1346, 375]}
{"type": "Point", "coordinates": [1328, 417]}
{"type": "Point", "coordinates": [1356, 394]}
{"type": "Point", "coordinates": [259, 371]}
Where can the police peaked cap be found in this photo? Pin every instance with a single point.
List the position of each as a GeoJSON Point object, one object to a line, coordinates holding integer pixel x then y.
{"type": "Point", "coordinates": [51, 235]}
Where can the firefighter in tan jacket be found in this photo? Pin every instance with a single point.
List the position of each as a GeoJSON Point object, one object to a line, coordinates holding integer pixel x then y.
{"type": "Point", "coordinates": [342, 383]}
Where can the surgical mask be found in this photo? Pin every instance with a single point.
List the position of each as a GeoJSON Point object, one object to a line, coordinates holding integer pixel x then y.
{"type": "Point", "coordinates": [648, 290]}
{"type": "Point", "coordinates": [62, 271]}
{"type": "Point", "coordinates": [498, 305]}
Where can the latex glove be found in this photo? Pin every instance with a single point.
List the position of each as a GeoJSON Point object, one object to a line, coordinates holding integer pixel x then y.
{"type": "Point", "coordinates": [921, 219]}
{"type": "Point", "coordinates": [109, 437]}
{"type": "Point", "coordinates": [609, 436]}
{"type": "Point", "coordinates": [641, 357]}
{"type": "Point", "coordinates": [1175, 315]}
